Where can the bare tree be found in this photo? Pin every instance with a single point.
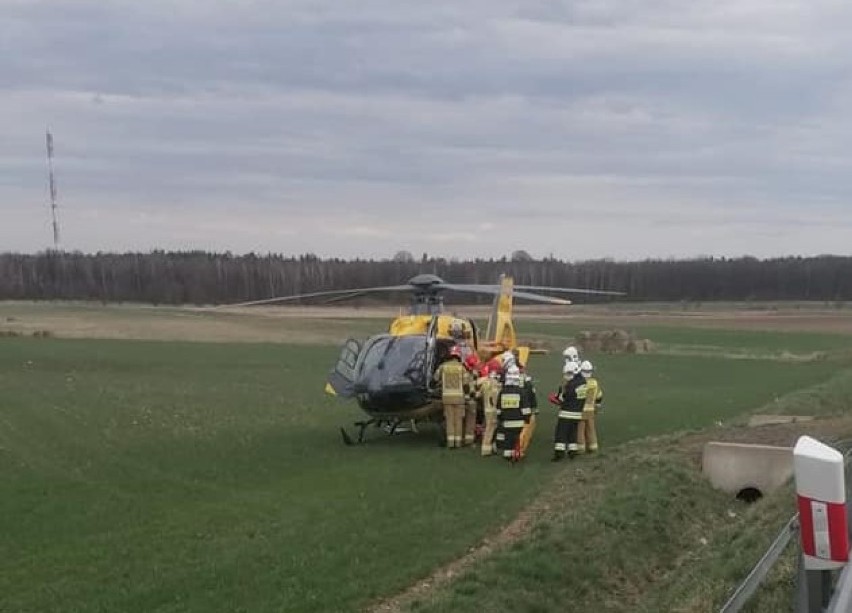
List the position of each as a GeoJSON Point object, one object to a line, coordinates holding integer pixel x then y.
{"type": "Point", "coordinates": [403, 257]}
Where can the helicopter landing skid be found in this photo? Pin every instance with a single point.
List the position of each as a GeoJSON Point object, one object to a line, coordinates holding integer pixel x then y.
{"type": "Point", "coordinates": [362, 426]}
{"type": "Point", "coordinates": [390, 426]}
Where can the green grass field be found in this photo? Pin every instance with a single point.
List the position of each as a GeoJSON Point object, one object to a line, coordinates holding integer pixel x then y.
{"type": "Point", "coordinates": [161, 476]}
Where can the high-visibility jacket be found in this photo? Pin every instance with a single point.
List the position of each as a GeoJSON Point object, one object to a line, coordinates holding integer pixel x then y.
{"type": "Point", "coordinates": [454, 379]}
{"type": "Point", "coordinates": [591, 394]}
{"type": "Point", "coordinates": [487, 389]}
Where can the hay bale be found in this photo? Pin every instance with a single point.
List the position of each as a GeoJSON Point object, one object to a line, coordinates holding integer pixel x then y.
{"type": "Point", "coordinates": [611, 341]}
{"type": "Point", "coordinates": [640, 345]}
{"type": "Point", "coordinates": [587, 341]}
{"type": "Point", "coordinates": [615, 341]}
{"type": "Point", "coordinates": [584, 336]}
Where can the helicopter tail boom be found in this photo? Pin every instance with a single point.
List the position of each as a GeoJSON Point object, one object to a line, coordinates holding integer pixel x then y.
{"type": "Point", "coordinates": [500, 330]}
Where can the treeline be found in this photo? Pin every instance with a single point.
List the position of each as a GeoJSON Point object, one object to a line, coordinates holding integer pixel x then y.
{"type": "Point", "coordinates": [215, 278]}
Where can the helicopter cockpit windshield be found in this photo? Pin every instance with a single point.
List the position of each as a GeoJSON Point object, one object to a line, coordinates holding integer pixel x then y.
{"type": "Point", "coordinates": [392, 365]}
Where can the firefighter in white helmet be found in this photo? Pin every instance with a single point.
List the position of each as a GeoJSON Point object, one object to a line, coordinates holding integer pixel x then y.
{"type": "Point", "coordinates": [512, 415]}
{"type": "Point", "coordinates": [570, 412]}
{"type": "Point", "coordinates": [592, 396]}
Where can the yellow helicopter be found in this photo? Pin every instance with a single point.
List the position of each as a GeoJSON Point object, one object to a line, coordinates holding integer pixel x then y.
{"type": "Point", "coordinates": [390, 374]}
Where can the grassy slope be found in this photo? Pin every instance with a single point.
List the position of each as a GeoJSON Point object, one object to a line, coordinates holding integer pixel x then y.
{"type": "Point", "coordinates": [641, 530]}
{"type": "Point", "coordinates": [636, 531]}
{"type": "Point", "coordinates": [168, 476]}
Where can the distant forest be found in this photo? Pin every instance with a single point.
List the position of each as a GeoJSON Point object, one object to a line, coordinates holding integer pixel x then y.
{"type": "Point", "coordinates": [215, 278]}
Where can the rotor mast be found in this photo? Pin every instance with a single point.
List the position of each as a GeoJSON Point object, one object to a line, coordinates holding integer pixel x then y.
{"type": "Point", "coordinates": [427, 304]}
{"type": "Point", "coordinates": [427, 298]}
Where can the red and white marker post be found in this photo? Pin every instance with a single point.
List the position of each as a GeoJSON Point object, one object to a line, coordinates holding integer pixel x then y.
{"type": "Point", "coordinates": [821, 491]}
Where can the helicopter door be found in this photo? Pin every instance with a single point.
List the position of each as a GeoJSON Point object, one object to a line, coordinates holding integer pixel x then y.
{"type": "Point", "coordinates": [431, 351]}
{"type": "Point", "coordinates": [341, 378]}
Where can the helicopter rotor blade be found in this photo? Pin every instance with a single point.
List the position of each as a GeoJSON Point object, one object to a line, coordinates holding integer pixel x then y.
{"type": "Point", "coordinates": [431, 284]}
{"type": "Point", "coordinates": [569, 290]}
{"type": "Point", "coordinates": [343, 297]}
{"type": "Point", "coordinates": [535, 288]}
{"type": "Point", "coordinates": [539, 298]}
{"type": "Point", "coordinates": [355, 291]}
{"type": "Point", "coordinates": [492, 290]}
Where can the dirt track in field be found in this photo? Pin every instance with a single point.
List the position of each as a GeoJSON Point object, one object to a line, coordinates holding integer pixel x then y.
{"type": "Point", "coordinates": [332, 325]}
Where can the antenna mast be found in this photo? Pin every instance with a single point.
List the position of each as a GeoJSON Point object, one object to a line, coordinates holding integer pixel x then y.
{"type": "Point", "coordinates": [52, 182]}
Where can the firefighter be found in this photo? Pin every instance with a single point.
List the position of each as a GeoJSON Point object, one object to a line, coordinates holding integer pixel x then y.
{"type": "Point", "coordinates": [472, 366]}
{"type": "Point", "coordinates": [511, 414]}
{"type": "Point", "coordinates": [530, 402]}
{"type": "Point", "coordinates": [488, 387]}
{"type": "Point", "coordinates": [453, 379]}
{"type": "Point", "coordinates": [592, 394]}
{"type": "Point", "coordinates": [570, 412]}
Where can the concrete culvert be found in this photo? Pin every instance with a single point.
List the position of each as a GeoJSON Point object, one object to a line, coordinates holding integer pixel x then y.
{"type": "Point", "coordinates": [749, 495]}
{"type": "Point", "coordinates": [737, 467]}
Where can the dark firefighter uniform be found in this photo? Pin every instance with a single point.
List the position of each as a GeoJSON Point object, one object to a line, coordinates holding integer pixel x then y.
{"type": "Point", "coordinates": [587, 434]}
{"type": "Point", "coordinates": [455, 384]}
{"type": "Point", "coordinates": [569, 417]}
{"type": "Point", "coordinates": [531, 402]}
{"type": "Point", "coordinates": [512, 416]}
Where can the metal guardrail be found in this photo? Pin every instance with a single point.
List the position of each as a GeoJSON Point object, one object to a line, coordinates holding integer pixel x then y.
{"type": "Point", "coordinates": [841, 602]}
{"type": "Point", "coordinates": [757, 575]}
{"type": "Point", "coordinates": [816, 591]}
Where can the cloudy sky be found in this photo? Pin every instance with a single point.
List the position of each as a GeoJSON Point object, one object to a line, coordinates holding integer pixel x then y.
{"type": "Point", "coordinates": [582, 129]}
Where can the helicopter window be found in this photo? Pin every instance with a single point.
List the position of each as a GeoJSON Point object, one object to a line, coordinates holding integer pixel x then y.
{"type": "Point", "coordinates": [395, 356]}
{"type": "Point", "coordinates": [373, 354]}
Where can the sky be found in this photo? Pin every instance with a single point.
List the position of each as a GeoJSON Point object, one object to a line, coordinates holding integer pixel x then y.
{"type": "Point", "coordinates": [625, 129]}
